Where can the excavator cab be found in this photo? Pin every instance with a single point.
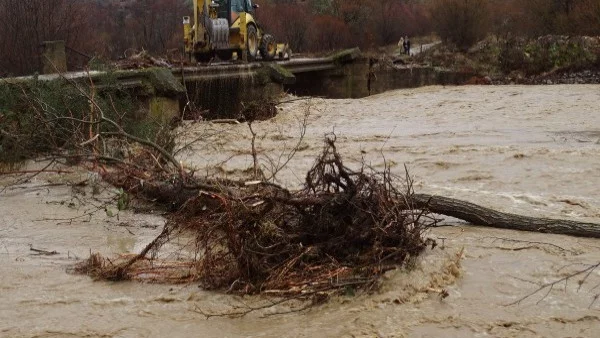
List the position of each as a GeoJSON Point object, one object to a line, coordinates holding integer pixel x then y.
{"type": "Point", "coordinates": [231, 9]}
{"type": "Point", "coordinates": [225, 27]}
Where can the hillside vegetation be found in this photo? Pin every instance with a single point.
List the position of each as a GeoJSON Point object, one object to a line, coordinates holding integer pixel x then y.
{"type": "Point", "coordinates": [115, 29]}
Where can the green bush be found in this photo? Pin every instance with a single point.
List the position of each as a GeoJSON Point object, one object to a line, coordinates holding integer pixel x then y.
{"type": "Point", "coordinates": [50, 116]}
{"type": "Point", "coordinates": [541, 55]}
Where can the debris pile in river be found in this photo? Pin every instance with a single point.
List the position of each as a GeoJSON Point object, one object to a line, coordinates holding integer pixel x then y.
{"type": "Point", "coordinates": [342, 231]}
{"type": "Point", "coordinates": [143, 60]}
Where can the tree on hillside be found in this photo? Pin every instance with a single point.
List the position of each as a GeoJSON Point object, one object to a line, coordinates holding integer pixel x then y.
{"type": "Point", "coordinates": [156, 24]}
{"type": "Point", "coordinates": [587, 17]}
{"type": "Point", "coordinates": [26, 24]}
{"type": "Point", "coordinates": [358, 16]}
{"type": "Point", "coordinates": [321, 33]}
{"type": "Point", "coordinates": [389, 20]}
{"type": "Point", "coordinates": [288, 22]}
{"type": "Point", "coordinates": [321, 6]}
{"type": "Point", "coordinates": [461, 22]}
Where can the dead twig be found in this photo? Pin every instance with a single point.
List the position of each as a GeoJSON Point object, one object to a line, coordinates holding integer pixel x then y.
{"type": "Point", "coordinates": [37, 172]}
{"type": "Point", "coordinates": [532, 244]}
{"type": "Point", "coordinates": [550, 286]}
{"type": "Point", "coordinates": [238, 312]}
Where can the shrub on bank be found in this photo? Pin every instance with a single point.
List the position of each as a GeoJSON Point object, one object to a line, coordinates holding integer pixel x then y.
{"type": "Point", "coordinates": [496, 56]}
{"type": "Point", "coordinates": [40, 117]}
{"type": "Point", "coordinates": [546, 53]}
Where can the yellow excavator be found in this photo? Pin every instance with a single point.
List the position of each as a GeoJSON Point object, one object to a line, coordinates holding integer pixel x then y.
{"type": "Point", "coordinates": [225, 27]}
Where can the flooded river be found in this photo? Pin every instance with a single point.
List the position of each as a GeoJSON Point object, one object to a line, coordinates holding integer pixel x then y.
{"type": "Point", "coordinates": [533, 150]}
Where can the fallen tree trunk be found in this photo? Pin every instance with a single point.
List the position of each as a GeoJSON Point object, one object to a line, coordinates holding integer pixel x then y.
{"type": "Point", "coordinates": [175, 195]}
{"type": "Point", "coordinates": [479, 215]}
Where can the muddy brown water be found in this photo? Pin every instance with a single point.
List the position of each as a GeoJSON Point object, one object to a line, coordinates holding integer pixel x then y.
{"type": "Point", "coordinates": [531, 150]}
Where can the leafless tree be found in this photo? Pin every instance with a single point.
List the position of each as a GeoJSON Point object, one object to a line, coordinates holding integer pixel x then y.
{"type": "Point", "coordinates": [26, 24]}
{"type": "Point", "coordinates": [462, 22]}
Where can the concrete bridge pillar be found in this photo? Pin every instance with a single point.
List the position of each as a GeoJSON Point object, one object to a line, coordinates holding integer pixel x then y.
{"type": "Point", "coordinates": [54, 57]}
{"type": "Point", "coordinates": [163, 109]}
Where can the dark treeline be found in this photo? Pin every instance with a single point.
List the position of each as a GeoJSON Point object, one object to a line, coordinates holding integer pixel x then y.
{"type": "Point", "coordinates": [105, 28]}
{"type": "Point", "coordinates": [111, 28]}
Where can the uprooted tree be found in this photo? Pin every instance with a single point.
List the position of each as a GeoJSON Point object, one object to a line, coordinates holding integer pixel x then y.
{"type": "Point", "coordinates": [345, 228]}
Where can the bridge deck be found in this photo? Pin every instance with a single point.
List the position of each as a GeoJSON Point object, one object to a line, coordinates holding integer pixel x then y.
{"type": "Point", "coordinates": [215, 71]}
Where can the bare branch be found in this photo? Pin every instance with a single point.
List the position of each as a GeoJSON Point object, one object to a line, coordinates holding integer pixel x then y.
{"type": "Point", "coordinates": [550, 286]}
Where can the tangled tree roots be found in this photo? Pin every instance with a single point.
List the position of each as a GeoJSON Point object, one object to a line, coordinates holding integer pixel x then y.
{"type": "Point", "coordinates": [343, 230]}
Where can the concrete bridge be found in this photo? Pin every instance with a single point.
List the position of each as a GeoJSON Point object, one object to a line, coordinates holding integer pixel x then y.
{"type": "Point", "coordinates": [219, 89]}
{"type": "Point", "coordinates": [285, 69]}
{"type": "Point", "coordinates": [280, 71]}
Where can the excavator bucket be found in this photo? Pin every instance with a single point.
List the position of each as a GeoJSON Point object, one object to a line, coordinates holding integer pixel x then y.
{"type": "Point", "coordinates": [283, 51]}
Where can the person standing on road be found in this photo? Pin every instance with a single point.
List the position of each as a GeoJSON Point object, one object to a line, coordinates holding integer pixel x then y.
{"type": "Point", "coordinates": [407, 42]}
{"type": "Point", "coordinates": [401, 45]}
